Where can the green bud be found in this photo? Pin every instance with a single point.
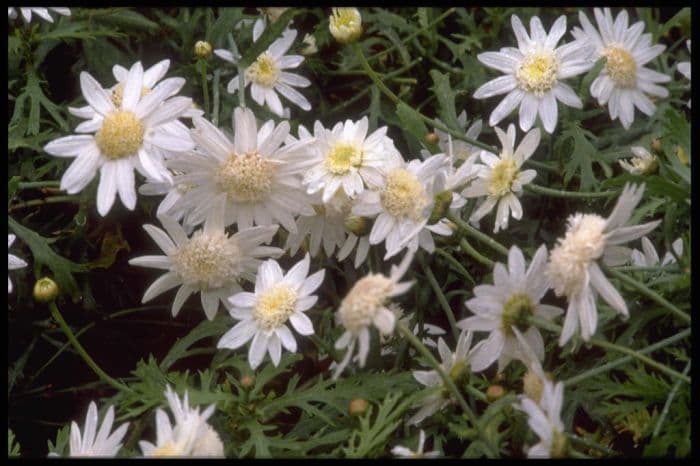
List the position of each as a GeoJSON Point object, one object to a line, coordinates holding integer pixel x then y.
{"type": "Point", "coordinates": [202, 49]}
{"type": "Point", "coordinates": [442, 204]}
{"type": "Point", "coordinates": [45, 290]}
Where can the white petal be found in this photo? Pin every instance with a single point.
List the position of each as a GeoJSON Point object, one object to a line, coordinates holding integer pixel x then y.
{"type": "Point", "coordinates": [607, 290]}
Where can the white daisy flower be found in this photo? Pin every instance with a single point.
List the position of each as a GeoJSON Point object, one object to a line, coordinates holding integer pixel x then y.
{"type": "Point", "coordinates": [349, 159]}
{"type": "Point", "coordinates": [573, 269]}
{"type": "Point", "coordinates": [648, 257]}
{"type": "Point", "coordinates": [94, 441]}
{"type": "Point", "coordinates": [455, 364]}
{"type": "Point", "coordinates": [210, 262]}
{"type": "Point", "coordinates": [402, 204]}
{"type": "Point", "coordinates": [500, 178]}
{"type": "Point", "coordinates": [458, 148]}
{"type": "Point", "coordinates": [127, 136]}
{"type": "Point", "coordinates": [190, 435]}
{"type": "Point", "coordinates": [345, 24]}
{"type": "Point", "coordinates": [533, 74]}
{"type": "Point", "coordinates": [404, 452]}
{"type": "Point", "coordinates": [643, 162]}
{"type": "Point", "coordinates": [623, 82]}
{"type": "Point", "coordinates": [173, 192]}
{"type": "Point", "coordinates": [42, 12]}
{"type": "Point", "coordinates": [261, 180]}
{"type": "Point", "coordinates": [365, 305]}
{"type": "Point", "coordinates": [506, 305]}
{"type": "Point", "coordinates": [684, 67]}
{"type": "Point", "coordinates": [267, 76]}
{"type": "Point", "coordinates": [544, 418]}
{"type": "Point", "coordinates": [279, 298]}
{"type": "Point", "coordinates": [13, 262]}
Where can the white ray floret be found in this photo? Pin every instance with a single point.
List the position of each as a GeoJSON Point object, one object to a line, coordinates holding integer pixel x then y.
{"type": "Point", "coordinates": [648, 257]}
{"type": "Point", "coordinates": [403, 452]}
{"type": "Point", "coordinates": [544, 418]}
{"type": "Point", "coordinates": [42, 12]}
{"type": "Point", "coordinates": [684, 67]}
{"type": "Point", "coordinates": [13, 262]}
{"type": "Point", "coordinates": [95, 439]}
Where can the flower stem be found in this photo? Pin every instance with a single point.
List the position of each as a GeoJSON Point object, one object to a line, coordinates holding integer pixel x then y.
{"type": "Point", "coordinates": [38, 184]}
{"type": "Point", "coordinates": [469, 249]}
{"type": "Point", "coordinates": [215, 90]}
{"type": "Point", "coordinates": [440, 296]}
{"type": "Point", "coordinates": [649, 293]}
{"type": "Point", "coordinates": [205, 86]}
{"type": "Point", "coordinates": [455, 263]}
{"type": "Point", "coordinates": [44, 201]}
{"type": "Point", "coordinates": [473, 232]}
{"type": "Point", "coordinates": [568, 194]}
{"type": "Point", "coordinates": [667, 405]}
{"type": "Point", "coordinates": [81, 351]}
{"type": "Point", "coordinates": [590, 444]}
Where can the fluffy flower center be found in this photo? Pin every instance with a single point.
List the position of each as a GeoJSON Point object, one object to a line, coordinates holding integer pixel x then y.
{"type": "Point", "coordinates": [274, 306]}
{"type": "Point", "coordinates": [118, 94]}
{"type": "Point", "coordinates": [362, 302]}
{"type": "Point", "coordinates": [169, 448]}
{"type": "Point", "coordinates": [246, 178]}
{"type": "Point", "coordinates": [502, 177]}
{"type": "Point", "coordinates": [538, 72]}
{"type": "Point", "coordinates": [264, 72]}
{"type": "Point", "coordinates": [621, 66]}
{"type": "Point", "coordinates": [583, 243]}
{"type": "Point", "coordinates": [342, 157]}
{"type": "Point", "coordinates": [207, 261]}
{"type": "Point", "coordinates": [121, 135]}
{"type": "Point", "coordinates": [516, 312]}
{"type": "Point", "coordinates": [404, 195]}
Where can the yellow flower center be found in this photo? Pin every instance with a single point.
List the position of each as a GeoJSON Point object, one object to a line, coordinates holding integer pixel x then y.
{"type": "Point", "coordinates": [362, 302]}
{"type": "Point", "coordinates": [118, 94]}
{"type": "Point", "coordinates": [502, 177]}
{"type": "Point", "coordinates": [404, 195]}
{"type": "Point", "coordinates": [621, 66]}
{"type": "Point", "coordinates": [207, 261]}
{"type": "Point", "coordinates": [264, 71]}
{"type": "Point", "coordinates": [538, 72]}
{"type": "Point", "coordinates": [274, 306]}
{"type": "Point", "coordinates": [516, 312]}
{"type": "Point", "coordinates": [342, 157]}
{"type": "Point", "coordinates": [121, 135]}
{"type": "Point", "coordinates": [170, 448]}
{"type": "Point", "coordinates": [247, 177]}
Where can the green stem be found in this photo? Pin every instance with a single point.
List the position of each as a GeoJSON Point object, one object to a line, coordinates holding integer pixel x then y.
{"type": "Point", "coordinates": [469, 249]}
{"type": "Point", "coordinates": [44, 201]}
{"type": "Point", "coordinates": [39, 184]}
{"type": "Point", "coordinates": [476, 234]}
{"type": "Point", "coordinates": [455, 263]}
{"type": "Point", "coordinates": [591, 445]}
{"type": "Point", "coordinates": [646, 291]}
{"type": "Point", "coordinates": [667, 405]}
{"type": "Point", "coordinates": [215, 90]}
{"type": "Point", "coordinates": [205, 86]}
{"type": "Point", "coordinates": [568, 194]}
{"type": "Point", "coordinates": [541, 166]}
{"type": "Point", "coordinates": [81, 351]}
{"type": "Point", "coordinates": [440, 296]}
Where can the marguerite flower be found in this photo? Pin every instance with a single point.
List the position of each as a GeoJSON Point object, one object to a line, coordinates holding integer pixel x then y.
{"type": "Point", "coordinates": [279, 298]}
{"type": "Point", "coordinates": [13, 262]}
{"type": "Point", "coordinates": [266, 74]}
{"type": "Point", "coordinates": [366, 305]}
{"type": "Point", "coordinates": [348, 159]}
{"type": "Point", "coordinates": [533, 74]}
{"type": "Point", "coordinates": [455, 364]}
{"type": "Point", "coordinates": [643, 162]}
{"type": "Point", "coordinates": [260, 180]}
{"type": "Point", "coordinates": [43, 12]}
{"type": "Point", "coordinates": [209, 262]}
{"type": "Point", "coordinates": [459, 149]}
{"type": "Point", "coordinates": [345, 24]}
{"type": "Point", "coordinates": [190, 435]}
{"type": "Point", "coordinates": [403, 452]}
{"type": "Point", "coordinates": [127, 136]}
{"type": "Point", "coordinates": [94, 442]}
{"type": "Point", "coordinates": [544, 418]}
{"type": "Point", "coordinates": [648, 256]}
{"type": "Point", "coordinates": [402, 204]}
{"type": "Point", "coordinates": [624, 81]}
{"type": "Point", "coordinates": [684, 67]}
{"type": "Point", "coordinates": [500, 177]}
{"type": "Point", "coordinates": [573, 269]}
{"type": "Point", "coordinates": [173, 192]}
{"type": "Point", "coordinates": [507, 305]}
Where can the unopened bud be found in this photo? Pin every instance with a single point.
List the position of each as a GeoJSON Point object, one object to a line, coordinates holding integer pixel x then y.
{"type": "Point", "coordinates": [358, 406]}
{"type": "Point", "coordinates": [441, 206]}
{"type": "Point", "coordinates": [45, 290]}
{"type": "Point", "coordinates": [310, 45]}
{"type": "Point", "coordinates": [431, 138]}
{"type": "Point", "coordinates": [202, 49]}
{"type": "Point", "coordinates": [345, 24]}
{"type": "Point", "coordinates": [494, 392]}
{"type": "Point", "coordinates": [357, 225]}
{"type": "Point", "coordinates": [247, 381]}
{"type": "Point", "coordinates": [656, 145]}
{"type": "Point", "coordinates": [680, 153]}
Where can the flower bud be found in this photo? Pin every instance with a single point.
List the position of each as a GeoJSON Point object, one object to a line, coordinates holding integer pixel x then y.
{"type": "Point", "coordinates": [494, 392]}
{"type": "Point", "coordinates": [656, 145]}
{"type": "Point", "coordinates": [357, 225]}
{"type": "Point", "coordinates": [345, 24]}
{"type": "Point", "coordinates": [442, 204]}
{"type": "Point", "coordinates": [202, 49]}
{"type": "Point", "coordinates": [680, 153]}
{"type": "Point", "coordinates": [431, 138]}
{"type": "Point", "coordinates": [45, 290]}
{"type": "Point", "coordinates": [247, 381]}
{"type": "Point", "coordinates": [358, 406]}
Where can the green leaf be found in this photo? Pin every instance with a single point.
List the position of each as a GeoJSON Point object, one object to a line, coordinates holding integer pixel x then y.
{"type": "Point", "coordinates": [412, 124]}
{"type": "Point", "coordinates": [207, 328]}
{"type": "Point", "coordinates": [446, 99]}
{"type": "Point", "coordinates": [62, 437]}
{"type": "Point", "coordinates": [129, 19]}
{"type": "Point", "coordinates": [12, 444]}
{"type": "Point", "coordinates": [581, 157]}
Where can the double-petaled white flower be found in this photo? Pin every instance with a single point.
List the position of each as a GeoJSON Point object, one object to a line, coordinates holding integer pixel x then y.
{"type": "Point", "coordinates": [624, 81]}
{"type": "Point", "coordinates": [573, 269]}
{"type": "Point", "coordinates": [279, 298]}
{"type": "Point", "coordinates": [533, 74]}
{"type": "Point", "coordinates": [96, 439]}
{"type": "Point", "coordinates": [13, 262]}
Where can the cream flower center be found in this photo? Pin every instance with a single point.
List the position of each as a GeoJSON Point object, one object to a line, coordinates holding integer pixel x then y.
{"type": "Point", "coordinates": [274, 306]}
{"type": "Point", "coordinates": [207, 261]}
{"type": "Point", "coordinates": [169, 448]}
{"type": "Point", "coordinates": [342, 157]}
{"type": "Point", "coordinates": [621, 66]}
{"type": "Point", "coordinates": [404, 195]}
{"type": "Point", "coordinates": [363, 301]}
{"type": "Point", "coordinates": [516, 312]}
{"type": "Point", "coordinates": [247, 177]}
{"type": "Point", "coordinates": [583, 243]}
{"type": "Point", "coordinates": [121, 135]}
{"type": "Point", "coordinates": [118, 93]}
{"type": "Point", "coordinates": [502, 177]}
{"type": "Point", "coordinates": [538, 72]}
{"type": "Point", "coordinates": [264, 72]}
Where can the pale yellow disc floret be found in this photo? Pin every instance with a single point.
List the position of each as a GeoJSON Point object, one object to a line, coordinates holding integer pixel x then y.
{"type": "Point", "coordinates": [516, 311]}
{"type": "Point", "coordinates": [121, 135]}
{"type": "Point", "coordinates": [583, 243]}
{"type": "Point", "coordinates": [247, 177]}
{"type": "Point", "coordinates": [502, 177]}
{"type": "Point", "coordinates": [343, 157]}
{"type": "Point", "coordinates": [274, 306]}
{"type": "Point", "coordinates": [621, 66]}
{"type": "Point", "coordinates": [264, 71]}
{"type": "Point", "coordinates": [207, 261]}
{"type": "Point", "coordinates": [363, 301]}
{"type": "Point", "coordinates": [404, 195]}
{"type": "Point", "coordinates": [168, 449]}
{"type": "Point", "coordinates": [538, 72]}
